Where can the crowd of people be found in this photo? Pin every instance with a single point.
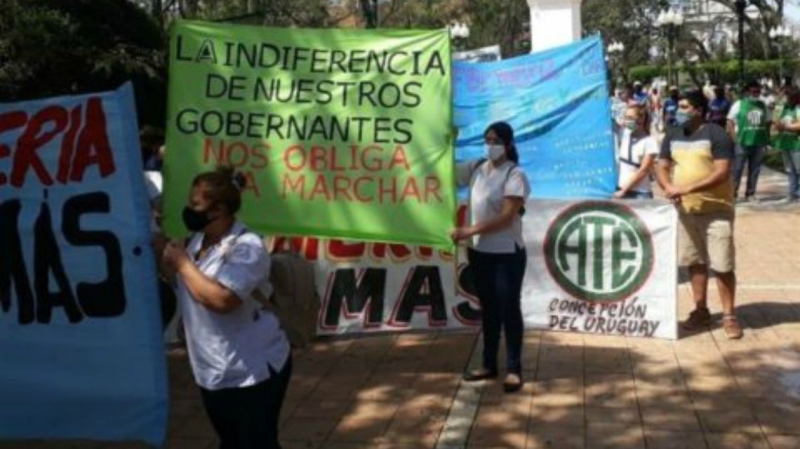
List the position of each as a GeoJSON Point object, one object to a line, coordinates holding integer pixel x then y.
{"type": "Point", "coordinates": [759, 119]}
{"type": "Point", "coordinates": [693, 145]}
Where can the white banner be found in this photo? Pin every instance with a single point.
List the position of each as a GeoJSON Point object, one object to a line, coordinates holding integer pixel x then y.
{"type": "Point", "coordinates": [597, 267]}
{"type": "Point", "coordinates": [485, 54]}
{"type": "Point", "coordinates": [601, 267]}
{"type": "Point", "coordinates": [368, 287]}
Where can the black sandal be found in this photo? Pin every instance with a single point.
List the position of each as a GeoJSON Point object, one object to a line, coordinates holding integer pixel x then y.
{"type": "Point", "coordinates": [479, 374]}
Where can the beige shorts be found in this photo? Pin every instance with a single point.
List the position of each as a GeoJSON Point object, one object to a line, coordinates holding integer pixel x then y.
{"type": "Point", "coordinates": [707, 239]}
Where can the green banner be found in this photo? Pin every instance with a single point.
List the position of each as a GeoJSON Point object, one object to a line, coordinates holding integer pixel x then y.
{"type": "Point", "coordinates": [342, 133]}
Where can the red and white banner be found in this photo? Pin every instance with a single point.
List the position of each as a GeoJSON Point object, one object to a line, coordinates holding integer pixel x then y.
{"type": "Point", "coordinates": [597, 267]}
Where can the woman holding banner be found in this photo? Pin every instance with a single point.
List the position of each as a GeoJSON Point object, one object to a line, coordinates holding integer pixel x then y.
{"type": "Point", "coordinates": [498, 189]}
{"type": "Point", "coordinates": [239, 354]}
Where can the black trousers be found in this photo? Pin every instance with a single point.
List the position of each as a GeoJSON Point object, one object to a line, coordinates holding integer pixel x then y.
{"type": "Point", "coordinates": [247, 418]}
{"type": "Point", "coordinates": [498, 281]}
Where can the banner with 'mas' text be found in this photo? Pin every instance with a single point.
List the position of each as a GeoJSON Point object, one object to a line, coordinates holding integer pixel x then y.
{"type": "Point", "coordinates": [80, 332]}
{"type": "Point", "coordinates": [593, 267]}
{"type": "Point", "coordinates": [341, 133]}
{"type": "Point", "coordinates": [558, 104]}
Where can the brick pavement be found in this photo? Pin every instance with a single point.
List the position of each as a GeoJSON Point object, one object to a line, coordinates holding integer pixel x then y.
{"type": "Point", "coordinates": [703, 391]}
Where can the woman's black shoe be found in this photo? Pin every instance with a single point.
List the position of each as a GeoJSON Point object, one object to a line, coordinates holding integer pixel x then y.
{"type": "Point", "coordinates": [513, 383]}
{"type": "Point", "coordinates": [479, 374]}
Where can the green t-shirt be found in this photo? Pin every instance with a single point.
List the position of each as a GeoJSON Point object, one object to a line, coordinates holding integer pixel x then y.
{"type": "Point", "coordinates": [788, 140]}
{"type": "Point", "coordinates": [752, 124]}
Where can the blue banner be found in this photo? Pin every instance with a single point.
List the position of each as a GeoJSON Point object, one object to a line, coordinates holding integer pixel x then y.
{"type": "Point", "coordinates": [558, 103]}
{"type": "Point", "coordinates": [80, 331]}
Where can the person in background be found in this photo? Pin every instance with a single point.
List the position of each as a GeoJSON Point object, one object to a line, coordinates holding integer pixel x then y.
{"type": "Point", "coordinates": [670, 107]}
{"type": "Point", "coordinates": [655, 109]}
{"type": "Point", "coordinates": [619, 104]}
{"type": "Point", "coordinates": [636, 157]}
{"type": "Point", "coordinates": [748, 124]}
{"type": "Point", "coordinates": [498, 189]}
{"type": "Point", "coordinates": [768, 98]}
{"type": "Point", "coordinates": [151, 141]}
{"type": "Point", "coordinates": [787, 128]}
{"type": "Point", "coordinates": [694, 170]}
{"type": "Point", "coordinates": [240, 356]}
{"type": "Point", "coordinates": [730, 93]}
{"type": "Point", "coordinates": [640, 96]}
{"type": "Point", "coordinates": [719, 107]}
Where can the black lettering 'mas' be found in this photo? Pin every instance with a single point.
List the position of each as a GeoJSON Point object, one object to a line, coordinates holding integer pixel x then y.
{"type": "Point", "coordinates": [424, 289]}
{"type": "Point", "coordinates": [355, 293]}
{"type": "Point", "coordinates": [12, 264]}
{"type": "Point", "coordinates": [46, 260]}
{"type": "Point", "coordinates": [467, 285]}
{"type": "Point", "coordinates": [106, 298]}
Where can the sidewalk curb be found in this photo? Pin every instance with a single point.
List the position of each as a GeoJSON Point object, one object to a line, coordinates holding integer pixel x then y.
{"type": "Point", "coordinates": [464, 410]}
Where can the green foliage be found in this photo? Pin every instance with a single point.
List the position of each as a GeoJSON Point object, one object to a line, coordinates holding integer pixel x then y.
{"type": "Point", "coordinates": [279, 13]}
{"type": "Point", "coordinates": [720, 71]}
{"type": "Point", "coordinates": [646, 73]}
{"type": "Point", "coordinates": [630, 22]}
{"type": "Point", "coordinates": [60, 47]}
{"type": "Point", "coordinates": [503, 23]}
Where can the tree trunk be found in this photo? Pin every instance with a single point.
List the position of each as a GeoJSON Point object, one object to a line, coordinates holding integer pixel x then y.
{"type": "Point", "coordinates": [157, 10]}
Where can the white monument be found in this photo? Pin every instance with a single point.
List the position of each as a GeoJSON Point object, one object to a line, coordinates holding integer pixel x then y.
{"type": "Point", "coordinates": [554, 23]}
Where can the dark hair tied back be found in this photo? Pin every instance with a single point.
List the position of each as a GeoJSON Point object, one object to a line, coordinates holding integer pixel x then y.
{"type": "Point", "coordinates": [223, 186]}
{"type": "Point", "coordinates": [505, 133]}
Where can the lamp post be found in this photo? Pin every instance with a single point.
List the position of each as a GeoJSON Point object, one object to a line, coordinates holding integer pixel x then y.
{"type": "Point", "coordinates": [615, 50]}
{"type": "Point", "coordinates": [458, 31]}
{"type": "Point", "coordinates": [670, 21]}
{"type": "Point", "coordinates": [778, 34]}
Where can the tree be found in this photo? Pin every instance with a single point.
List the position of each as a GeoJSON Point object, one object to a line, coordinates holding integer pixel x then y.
{"type": "Point", "coordinates": [770, 15]}
{"type": "Point", "coordinates": [500, 22]}
{"type": "Point", "coordinates": [631, 22]}
{"type": "Point", "coordinates": [281, 13]}
{"type": "Point", "coordinates": [59, 47]}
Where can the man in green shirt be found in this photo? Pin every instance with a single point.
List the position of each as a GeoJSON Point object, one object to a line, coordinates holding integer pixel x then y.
{"type": "Point", "coordinates": [788, 141]}
{"type": "Point", "coordinates": [748, 125]}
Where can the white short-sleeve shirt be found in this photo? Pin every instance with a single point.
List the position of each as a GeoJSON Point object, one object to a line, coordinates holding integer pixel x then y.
{"type": "Point", "coordinates": [630, 158]}
{"type": "Point", "coordinates": [153, 182]}
{"type": "Point", "coordinates": [489, 186]}
{"type": "Point", "coordinates": [238, 348]}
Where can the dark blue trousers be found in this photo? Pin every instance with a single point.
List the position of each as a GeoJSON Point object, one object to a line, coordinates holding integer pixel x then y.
{"type": "Point", "coordinates": [498, 282]}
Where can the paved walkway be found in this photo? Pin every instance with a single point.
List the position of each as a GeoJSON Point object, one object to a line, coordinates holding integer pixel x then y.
{"type": "Point", "coordinates": [703, 391]}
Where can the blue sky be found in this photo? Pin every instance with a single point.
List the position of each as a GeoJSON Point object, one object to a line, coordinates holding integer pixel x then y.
{"type": "Point", "coordinates": [793, 13]}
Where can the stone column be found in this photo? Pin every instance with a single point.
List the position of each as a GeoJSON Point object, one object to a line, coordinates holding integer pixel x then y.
{"type": "Point", "coordinates": [554, 23]}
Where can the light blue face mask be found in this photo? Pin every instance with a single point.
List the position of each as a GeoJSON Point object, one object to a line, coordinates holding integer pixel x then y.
{"type": "Point", "coordinates": [682, 118]}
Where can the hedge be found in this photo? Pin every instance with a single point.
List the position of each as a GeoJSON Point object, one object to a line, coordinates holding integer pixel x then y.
{"type": "Point", "coordinates": [721, 71]}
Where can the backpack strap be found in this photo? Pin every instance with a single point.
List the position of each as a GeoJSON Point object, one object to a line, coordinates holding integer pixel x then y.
{"type": "Point", "coordinates": [629, 160]}
{"type": "Point", "coordinates": [264, 302]}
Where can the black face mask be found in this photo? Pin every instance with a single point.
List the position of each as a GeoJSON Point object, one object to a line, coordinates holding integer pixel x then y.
{"type": "Point", "coordinates": [195, 221]}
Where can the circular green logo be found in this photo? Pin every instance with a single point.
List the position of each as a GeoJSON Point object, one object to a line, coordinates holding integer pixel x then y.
{"type": "Point", "coordinates": [599, 251]}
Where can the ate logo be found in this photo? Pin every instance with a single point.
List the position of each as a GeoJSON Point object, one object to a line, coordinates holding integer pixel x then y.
{"type": "Point", "coordinates": [599, 251]}
{"type": "Point", "coordinates": [755, 118]}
